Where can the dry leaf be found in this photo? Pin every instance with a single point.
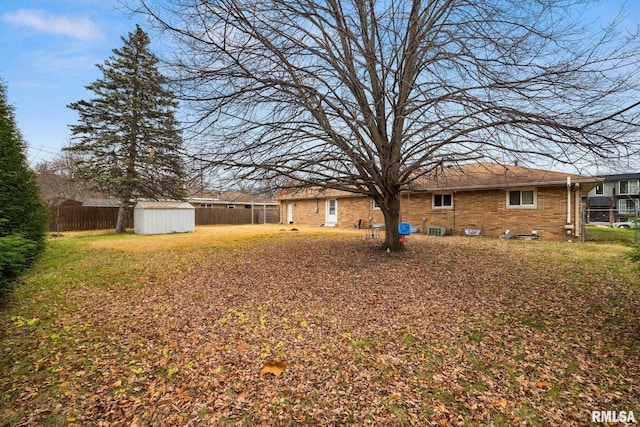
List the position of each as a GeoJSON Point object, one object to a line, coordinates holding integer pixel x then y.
{"type": "Point", "coordinates": [542, 384]}
{"type": "Point", "coordinates": [501, 402]}
{"type": "Point", "coordinates": [273, 367]}
{"type": "Point", "coordinates": [243, 346]}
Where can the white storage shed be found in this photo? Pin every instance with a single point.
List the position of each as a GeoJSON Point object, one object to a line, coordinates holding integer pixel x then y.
{"type": "Point", "coordinates": [163, 217]}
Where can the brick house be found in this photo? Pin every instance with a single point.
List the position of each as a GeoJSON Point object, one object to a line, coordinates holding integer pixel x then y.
{"type": "Point", "coordinates": [489, 197]}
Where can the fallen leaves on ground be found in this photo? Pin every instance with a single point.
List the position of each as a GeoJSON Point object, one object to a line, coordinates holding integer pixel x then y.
{"type": "Point", "coordinates": [273, 367]}
{"type": "Point", "coordinates": [451, 332]}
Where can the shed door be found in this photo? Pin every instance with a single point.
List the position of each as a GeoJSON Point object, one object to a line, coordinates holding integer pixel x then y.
{"type": "Point", "coordinates": [332, 212]}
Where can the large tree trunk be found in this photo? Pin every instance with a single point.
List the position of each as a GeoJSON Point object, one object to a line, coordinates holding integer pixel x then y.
{"type": "Point", "coordinates": [391, 211]}
{"type": "Point", "coordinates": [123, 213]}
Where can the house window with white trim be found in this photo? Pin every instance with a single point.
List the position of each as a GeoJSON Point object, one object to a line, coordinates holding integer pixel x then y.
{"type": "Point", "coordinates": [442, 201]}
{"type": "Point", "coordinates": [628, 187]}
{"type": "Point", "coordinates": [522, 199]}
{"type": "Point", "coordinates": [627, 207]}
{"type": "Point", "coordinates": [600, 188]}
{"type": "Point", "coordinates": [376, 207]}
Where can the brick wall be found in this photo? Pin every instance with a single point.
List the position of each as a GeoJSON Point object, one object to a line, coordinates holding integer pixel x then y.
{"type": "Point", "coordinates": [473, 209]}
{"type": "Point", "coordinates": [350, 211]}
{"type": "Point", "coordinates": [488, 210]}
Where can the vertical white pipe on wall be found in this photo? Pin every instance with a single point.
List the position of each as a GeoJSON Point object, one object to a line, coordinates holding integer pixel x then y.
{"type": "Point", "coordinates": [568, 200]}
{"type": "Point", "coordinates": [577, 210]}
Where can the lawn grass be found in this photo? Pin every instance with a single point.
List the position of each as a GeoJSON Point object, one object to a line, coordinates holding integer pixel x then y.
{"type": "Point", "coordinates": [611, 235]}
{"type": "Point", "coordinates": [176, 329]}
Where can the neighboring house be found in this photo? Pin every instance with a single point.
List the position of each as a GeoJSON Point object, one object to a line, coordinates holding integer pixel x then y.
{"type": "Point", "coordinates": [209, 203]}
{"type": "Point", "coordinates": [210, 199]}
{"type": "Point", "coordinates": [488, 197]}
{"type": "Point", "coordinates": [106, 202]}
{"type": "Point", "coordinates": [616, 199]}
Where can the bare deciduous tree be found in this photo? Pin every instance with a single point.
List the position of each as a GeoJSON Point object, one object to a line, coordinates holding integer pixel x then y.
{"type": "Point", "coordinates": [59, 178]}
{"type": "Point", "coordinates": [367, 96]}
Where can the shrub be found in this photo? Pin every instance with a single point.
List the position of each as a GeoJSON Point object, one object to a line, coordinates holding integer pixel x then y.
{"type": "Point", "coordinates": [634, 256]}
{"type": "Point", "coordinates": [16, 254]}
{"type": "Point", "coordinates": [23, 214]}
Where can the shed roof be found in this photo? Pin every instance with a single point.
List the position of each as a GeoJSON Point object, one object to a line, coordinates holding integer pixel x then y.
{"type": "Point", "coordinates": [167, 204]}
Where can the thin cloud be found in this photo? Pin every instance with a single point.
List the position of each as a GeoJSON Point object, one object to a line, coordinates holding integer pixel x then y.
{"type": "Point", "coordinates": [76, 27]}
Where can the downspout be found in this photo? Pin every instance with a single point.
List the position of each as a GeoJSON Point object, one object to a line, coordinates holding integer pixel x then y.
{"type": "Point", "coordinates": [455, 213]}
{"type": "Point", "coordinates": [568, 200]}
{"type": "Point", "coordinates": [577, 209]}
{"type": "Point", "coordinates": [568, 226]}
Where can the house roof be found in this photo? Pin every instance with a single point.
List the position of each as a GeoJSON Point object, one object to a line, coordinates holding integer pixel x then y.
{"type": "Point", "coordinates": [100, 202]}
{"type": "Point", "coordinates": [621, 177]}
{"type": "Point", "coordinates": [313, 193]}
{"type": "Point", "coordinates": [225, 197]}
{"type": "Point", "coordinates": [477, 176]}
{"type": "Point", "coordinates": [466, 177]}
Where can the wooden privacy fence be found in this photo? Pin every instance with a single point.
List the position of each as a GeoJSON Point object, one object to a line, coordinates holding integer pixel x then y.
{"type": "Point", "coordinates": [237, 216]}
{"type": "Point", "coordinates": [75, 217]}
{"type": "Point", "coordinates": [78, 217]}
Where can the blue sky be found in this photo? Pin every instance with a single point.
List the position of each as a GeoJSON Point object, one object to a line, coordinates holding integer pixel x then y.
{"type": "Point", "coordinates": [49, 49]}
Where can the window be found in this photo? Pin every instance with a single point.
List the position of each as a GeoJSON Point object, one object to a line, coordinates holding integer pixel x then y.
{"type": "Point", "coordinates": [332, 207]}
{"type": "Point", "coordinates": [231, 206]}
{"type": "Point", "coordinates": [600, 189]}
{"type": "Point", "coordinates": [442, 201]}
{"type": "Point", "coordinates": [206, 206]}
{"type": "Point", "coordinates": [627, 207]}
{"type": "Point", "coordinates": [628, 187]}
{"type": "Point", "coordinates": [523, 199]}
{"type": "Point", "coordinates": [376, 206]}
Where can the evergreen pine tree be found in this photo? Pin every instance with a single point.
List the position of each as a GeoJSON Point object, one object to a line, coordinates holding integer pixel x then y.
{"type": "Point", "coordinates": [128, 135]}
{"type": "Point", "coordinates": [23, 214]}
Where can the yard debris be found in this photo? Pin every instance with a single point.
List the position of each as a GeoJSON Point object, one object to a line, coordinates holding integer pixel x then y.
{"type": "Point", "coordinates": [452, 332]}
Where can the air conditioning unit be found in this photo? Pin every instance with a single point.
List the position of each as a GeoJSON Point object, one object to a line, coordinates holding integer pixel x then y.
{"type": "Point", "coordinates": [436, 231]}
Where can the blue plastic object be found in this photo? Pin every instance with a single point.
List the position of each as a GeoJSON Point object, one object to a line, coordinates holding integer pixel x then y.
{"type": "Point", "coordinates": [404, 229]}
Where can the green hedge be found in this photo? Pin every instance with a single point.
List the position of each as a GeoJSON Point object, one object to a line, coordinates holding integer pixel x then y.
{"type": "Point", "coordinates": [16, 254]}
{"type": "Point", "coordinates": [23, 215]}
